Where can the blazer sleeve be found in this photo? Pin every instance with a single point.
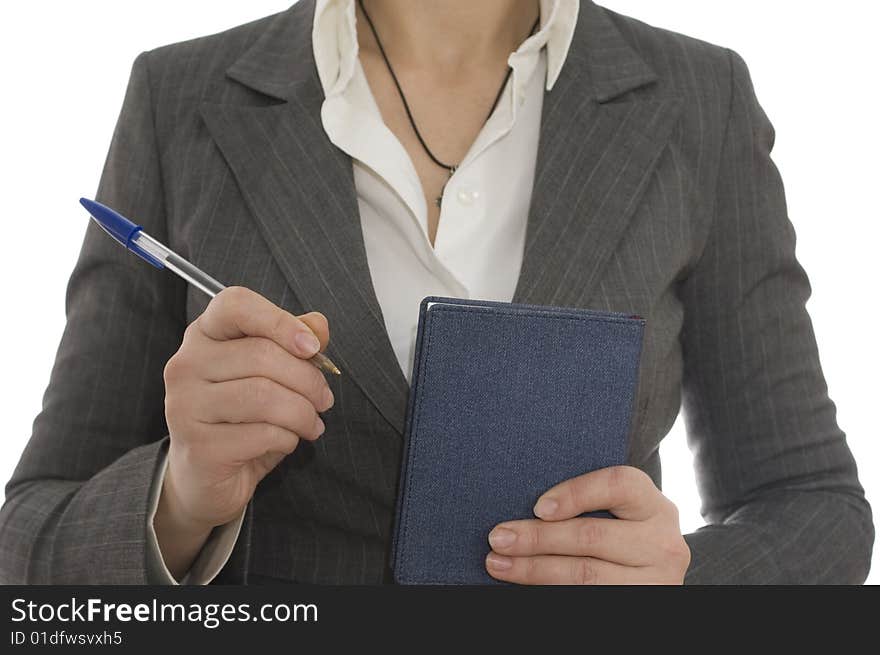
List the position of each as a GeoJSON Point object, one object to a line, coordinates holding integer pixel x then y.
{"type": "Point", "coordinates": [76, 506]}
{"type": "Point", "coordinates": [778, 483]}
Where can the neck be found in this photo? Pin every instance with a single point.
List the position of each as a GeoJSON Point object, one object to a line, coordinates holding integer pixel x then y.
{"type": "Point", "coordinates": [451, 34]}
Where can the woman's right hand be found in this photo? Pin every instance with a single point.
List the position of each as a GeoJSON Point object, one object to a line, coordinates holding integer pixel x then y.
{"type": "Point", "coordinates": [240, 393]}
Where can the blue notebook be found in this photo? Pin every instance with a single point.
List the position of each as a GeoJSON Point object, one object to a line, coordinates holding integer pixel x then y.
{"type": "Point", "coordinates": [506, 401]}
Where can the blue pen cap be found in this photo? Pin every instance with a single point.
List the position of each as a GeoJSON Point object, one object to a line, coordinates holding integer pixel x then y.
{"type": "Point", "coordinates": [119, 227]}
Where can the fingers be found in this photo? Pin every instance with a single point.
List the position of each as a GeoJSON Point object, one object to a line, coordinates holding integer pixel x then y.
{"type": "Point", "coordinates": [260, 357]}
{"type": "Point", "coordinates": [258, 400]}
{"type": "Point", "coordinates": [237, 312]}
{"type": "Point", "coordinates": [235, 444]}
{"type": "Point", "coordinates": [625, 491]}
{"type": "Point", "coordinates": [643, 545]}
{"type": "Point", "coordinates": [613, 540]}
{"type": "Point", "coordinates": [559, 570]}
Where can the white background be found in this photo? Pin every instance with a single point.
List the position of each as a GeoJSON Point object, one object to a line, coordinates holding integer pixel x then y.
{"type": "Point", "coordinates": [64, 68]}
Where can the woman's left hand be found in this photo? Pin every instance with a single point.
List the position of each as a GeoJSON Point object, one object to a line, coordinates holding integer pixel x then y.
{"type": "Point", "coordinates": [643, 545]}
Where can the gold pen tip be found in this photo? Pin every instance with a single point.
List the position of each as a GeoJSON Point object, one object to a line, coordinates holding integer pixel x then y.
{"type": "Point", "coordinates": [325, 364]}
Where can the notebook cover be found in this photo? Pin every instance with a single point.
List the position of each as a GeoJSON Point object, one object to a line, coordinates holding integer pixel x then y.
{"type": "Point", "coordinates": [506, 401]}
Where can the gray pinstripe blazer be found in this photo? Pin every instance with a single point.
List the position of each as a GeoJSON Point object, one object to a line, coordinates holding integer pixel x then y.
{"type": "Point", "coordinates": [655, 194]}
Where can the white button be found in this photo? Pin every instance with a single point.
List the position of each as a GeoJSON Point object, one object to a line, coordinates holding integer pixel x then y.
{"type": "Point", "coordinates": [467, 197]}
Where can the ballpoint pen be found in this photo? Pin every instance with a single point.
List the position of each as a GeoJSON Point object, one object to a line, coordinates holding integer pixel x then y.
{"type": "Point", "coordinates": [134, 238]}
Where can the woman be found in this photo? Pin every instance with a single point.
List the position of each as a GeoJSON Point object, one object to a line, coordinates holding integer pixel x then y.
{"type": "Point", "coordinates": [339, 161]}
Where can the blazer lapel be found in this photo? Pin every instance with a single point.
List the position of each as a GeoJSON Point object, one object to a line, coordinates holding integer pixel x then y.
{"type": "Point", "coordinates": [595, 158]}
{"type": "Point", "coordinates": [300, 189]}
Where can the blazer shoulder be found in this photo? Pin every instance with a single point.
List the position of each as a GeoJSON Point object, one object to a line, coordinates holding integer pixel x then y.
{"type": "Point", "coordinates": [191, 69]}
{"type": "Point", "coordinates": [685, 64]}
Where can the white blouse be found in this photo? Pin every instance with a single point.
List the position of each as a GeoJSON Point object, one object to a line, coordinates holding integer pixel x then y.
{"type": "Point", "coordinates": [479, 243]}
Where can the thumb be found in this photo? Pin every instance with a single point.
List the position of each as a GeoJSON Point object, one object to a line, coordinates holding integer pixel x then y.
{"type": "Point", "coordinates": [317, 323]}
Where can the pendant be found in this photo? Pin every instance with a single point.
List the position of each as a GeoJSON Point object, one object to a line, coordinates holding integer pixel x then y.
{"type": "Point", "coordinates": [439, 199]}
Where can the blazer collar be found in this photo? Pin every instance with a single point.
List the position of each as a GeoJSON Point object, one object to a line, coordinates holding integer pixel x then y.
{"type": "Point", "coordinates": [593, 159]}
{"type": "Point", "coordinates": [282, 57]}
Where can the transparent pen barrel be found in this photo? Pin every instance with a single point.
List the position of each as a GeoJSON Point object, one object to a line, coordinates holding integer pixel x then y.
{"type": "Point", "coordinates": [178, 264]}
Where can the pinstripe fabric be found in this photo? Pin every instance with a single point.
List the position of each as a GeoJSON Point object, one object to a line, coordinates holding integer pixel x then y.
{"type": "Point", "coordinates": [654, 194]}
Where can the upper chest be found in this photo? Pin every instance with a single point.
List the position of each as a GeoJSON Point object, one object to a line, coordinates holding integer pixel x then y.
{"type": "Point", "coordinates": [436, 117]}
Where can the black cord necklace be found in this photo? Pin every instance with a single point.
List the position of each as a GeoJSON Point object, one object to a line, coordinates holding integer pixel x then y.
{"type": "Point", "coordinates": [449, 167]}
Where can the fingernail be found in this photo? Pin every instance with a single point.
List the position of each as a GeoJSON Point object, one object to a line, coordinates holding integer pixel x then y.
{"type": "Point", "coordinates": [501, 538]}
{"type": "Point", "coordinates": [328, 398]}
{"type": "Point", "coordinates": [498, 562]}
{"type": "Point", "coordinates": [307, 343]}
{"type": "Point", "coordinates": [545, 508]}
{"type": "Point", "coordinates": [319, 426]}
